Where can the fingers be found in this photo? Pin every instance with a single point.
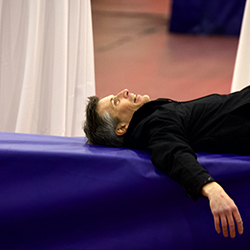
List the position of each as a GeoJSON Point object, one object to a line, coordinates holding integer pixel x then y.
{"type": "Point", "coordinates": [217, 223]}
{"type": "Point", "coordinates": [228, 222]}
{"type": "Point", "coordinates": [231, 226]}
{"type": "Point", "coordinates": [224, 210]}
{"type": "Point", "coordinates": [239, 221]}
{"type": "Point", "coordinates": [240, 227]}
{"type": "Point", "coordinates": [235, 217]}
{"type": "Point", "coordinates": [224, 226]}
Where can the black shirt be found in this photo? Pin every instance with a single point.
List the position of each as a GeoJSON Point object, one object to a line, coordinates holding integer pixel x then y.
{"type": "Point", "coordinates": [173, 131]}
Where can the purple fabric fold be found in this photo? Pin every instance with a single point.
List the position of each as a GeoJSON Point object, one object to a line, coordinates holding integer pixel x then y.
{"type": "Point", "coordinates": [58, 193]}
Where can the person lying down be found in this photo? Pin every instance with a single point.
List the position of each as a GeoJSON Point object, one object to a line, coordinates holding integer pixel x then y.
{"type": "Point", "coordinates": [171, 132]}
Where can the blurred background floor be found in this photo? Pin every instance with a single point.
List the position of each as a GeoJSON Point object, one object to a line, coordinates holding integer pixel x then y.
{"type": "Point", "coordinates": [133, 49]}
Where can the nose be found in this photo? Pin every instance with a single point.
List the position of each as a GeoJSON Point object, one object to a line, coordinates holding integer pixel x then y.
{"type": "Point", "coordinates": [123, 94]}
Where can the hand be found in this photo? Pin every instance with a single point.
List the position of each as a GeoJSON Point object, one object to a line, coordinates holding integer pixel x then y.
{"type": "Point", "coordinates": [223, 209]}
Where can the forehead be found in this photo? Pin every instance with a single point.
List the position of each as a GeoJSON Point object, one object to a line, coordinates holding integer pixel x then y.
{"type": "Point", "coordinates": [104, 104]}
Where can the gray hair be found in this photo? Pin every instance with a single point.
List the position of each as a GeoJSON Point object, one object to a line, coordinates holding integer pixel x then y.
{"type": "Point", "coordinates": [100, 129]}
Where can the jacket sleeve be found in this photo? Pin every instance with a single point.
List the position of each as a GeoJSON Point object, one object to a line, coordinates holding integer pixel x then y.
{"type": "Point", "coordinates": [172, 154]}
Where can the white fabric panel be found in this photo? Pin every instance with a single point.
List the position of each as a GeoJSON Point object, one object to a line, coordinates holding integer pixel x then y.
{"type": "Point", "coordinates": [46, 67]}
{"type": "Point", "coordinates": [241, 77]}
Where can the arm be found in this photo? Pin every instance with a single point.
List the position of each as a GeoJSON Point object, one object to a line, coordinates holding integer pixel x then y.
{"type": "Point", "coordinates": [173, 155]}
{"type": "Point", "coordinates": [223, 209]}
{"type": "Point", "coordinates": [187, 171]}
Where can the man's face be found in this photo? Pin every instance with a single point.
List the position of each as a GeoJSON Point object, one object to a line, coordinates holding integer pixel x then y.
{"type": "Point", "coordinates": [123, 105]}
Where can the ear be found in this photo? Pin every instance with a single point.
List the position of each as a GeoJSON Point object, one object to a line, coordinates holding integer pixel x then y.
{"type": "Point", "coordinates": [121, 129]}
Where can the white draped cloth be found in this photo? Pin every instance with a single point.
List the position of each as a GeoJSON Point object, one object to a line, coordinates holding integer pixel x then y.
{"type": "Point", "coordinates": [241, 77]}
{"type": "Point", "coordinates": [46, 67]}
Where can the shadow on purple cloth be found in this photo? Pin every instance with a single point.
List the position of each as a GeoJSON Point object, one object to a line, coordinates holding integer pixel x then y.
{"type": "Point", "coordinates": [58, 193]}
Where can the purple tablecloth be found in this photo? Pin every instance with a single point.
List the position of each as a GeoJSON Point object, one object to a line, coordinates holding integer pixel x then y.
{"type": "Point", "coordinates": [58, 193]}
{"type": "Point", "coordinates": [210, 17]}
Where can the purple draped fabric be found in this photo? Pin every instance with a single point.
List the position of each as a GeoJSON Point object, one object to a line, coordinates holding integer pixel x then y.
{"type": "Point", "coordinates": [58, 193]}
{"type": "Point", "coordinates": [219, 17]}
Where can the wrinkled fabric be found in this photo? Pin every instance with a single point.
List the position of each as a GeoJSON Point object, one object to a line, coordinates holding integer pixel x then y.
{"type": "Point", "coordinates": [241, 74]}
{"type": "Point", "coordinates": [58, 193]}
{"type": "Point", "coordinates": [46, 66]}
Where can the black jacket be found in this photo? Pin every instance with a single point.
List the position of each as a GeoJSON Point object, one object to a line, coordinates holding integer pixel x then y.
{"type": "Point", "coordinates": [173, 131]}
